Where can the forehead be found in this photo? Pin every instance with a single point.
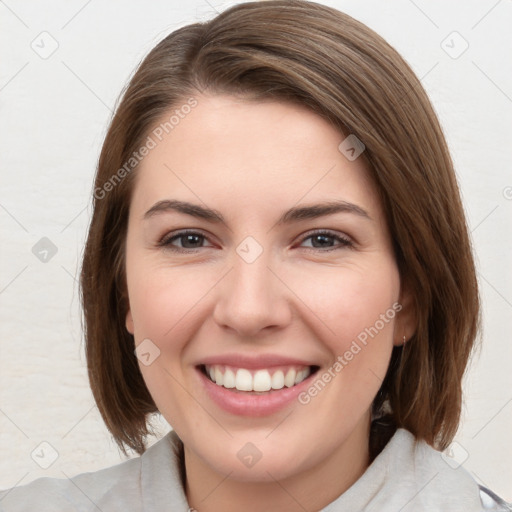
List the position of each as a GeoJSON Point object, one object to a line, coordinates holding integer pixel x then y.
{"type": "Point", "coordinates": [250, 151]}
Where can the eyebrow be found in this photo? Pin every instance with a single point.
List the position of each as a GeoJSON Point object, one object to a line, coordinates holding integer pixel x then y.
{"type": "Point", "coordinates": [292, 215]}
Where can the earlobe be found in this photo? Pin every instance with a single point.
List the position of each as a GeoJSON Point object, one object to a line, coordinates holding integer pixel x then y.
{"type": "Point", "coordinates": [129, 322]}
{"type": "Point", "coordinates": [406, 320]}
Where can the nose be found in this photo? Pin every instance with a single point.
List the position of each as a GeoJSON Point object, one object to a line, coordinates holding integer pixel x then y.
{"type": "Point", "coordinates": [251, 299]}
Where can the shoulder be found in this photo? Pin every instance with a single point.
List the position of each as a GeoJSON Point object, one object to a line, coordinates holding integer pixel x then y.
{"type": "Point", "coordinates": [491, 501]}
{"type": "Point", "coordinates": [444, 484]}
{"type": "Point", "coordinates": [83, 492]}
{"type": "Point", "coordinates": [115, 488]}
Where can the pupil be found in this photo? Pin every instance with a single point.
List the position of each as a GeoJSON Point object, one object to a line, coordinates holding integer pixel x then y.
{"type": "Point", "coordinates": [322, 239]}
{"type": "Point", "coordinates": [192, 239]}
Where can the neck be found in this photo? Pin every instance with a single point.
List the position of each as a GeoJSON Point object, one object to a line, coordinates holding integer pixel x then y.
{"type": "Point", "coordinates": [313, 489]}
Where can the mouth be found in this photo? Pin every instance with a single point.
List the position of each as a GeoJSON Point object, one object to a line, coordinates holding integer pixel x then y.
{"type": "Point", "coordinates": [257, 381]}
{"type": "Point", "coordinates": [254, 386]}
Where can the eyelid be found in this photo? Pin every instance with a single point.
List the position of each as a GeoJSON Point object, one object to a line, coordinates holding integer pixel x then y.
{"type": "Point", "coordinates": [168, 237]}
{"type": "Point", "coordinates": [344, 241]}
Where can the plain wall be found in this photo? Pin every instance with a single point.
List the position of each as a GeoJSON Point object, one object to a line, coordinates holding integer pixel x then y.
{"type": "Point", "coordinates": [54, 112]}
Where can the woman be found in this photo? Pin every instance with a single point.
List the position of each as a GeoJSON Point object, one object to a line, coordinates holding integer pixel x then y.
{"type": "Point", "coordinates": [278, 262]}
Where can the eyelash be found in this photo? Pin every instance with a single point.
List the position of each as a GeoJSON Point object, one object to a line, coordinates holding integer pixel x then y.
{"type": "Point", "coordinates": [343, 242]}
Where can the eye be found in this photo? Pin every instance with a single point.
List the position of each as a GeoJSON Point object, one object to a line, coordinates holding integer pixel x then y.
{"type": "Point", "coordinates": [189, 240]}
{"type": "Point", "coordinates": [325, 239]}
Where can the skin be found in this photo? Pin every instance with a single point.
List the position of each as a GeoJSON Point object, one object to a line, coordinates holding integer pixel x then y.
{"type": "Point", "coordinates": [251, 161]}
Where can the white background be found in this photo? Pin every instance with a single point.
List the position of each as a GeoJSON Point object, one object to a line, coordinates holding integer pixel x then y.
{"type": "Point", "coordinates": [54, 114]}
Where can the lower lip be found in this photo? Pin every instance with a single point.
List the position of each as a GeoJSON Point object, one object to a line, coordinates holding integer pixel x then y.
{"type": "Point", "coordinates": [246, 403]}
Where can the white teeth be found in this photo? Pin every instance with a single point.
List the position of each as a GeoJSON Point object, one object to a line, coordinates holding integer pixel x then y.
{"type": "Point", "coordinates": [243, 380]}
{"type": "Point", "coordinates": [229, 379]}
{"type": "Point", "coordinates": [278, 380]}
{"type": "Point", "coordinates": [262, 380]}
{"type": "Point", "coordinates": [219, 377]}
{"type": "Point", "coordinates": [289, 380]}
{"type": "Point", "coordinates": [302, 375]}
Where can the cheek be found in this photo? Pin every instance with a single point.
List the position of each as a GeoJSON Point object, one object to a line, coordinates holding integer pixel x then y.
{"type": "Point", "coordinates": [165, 304]}
{"type": "Point", "coordinates": [352, 303]}
{"type": "Point", "coordinates": [162, 301]}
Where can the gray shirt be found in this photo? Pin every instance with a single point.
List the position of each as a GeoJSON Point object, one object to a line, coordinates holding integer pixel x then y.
{"type": "Point", "coordinates": [407, 476]}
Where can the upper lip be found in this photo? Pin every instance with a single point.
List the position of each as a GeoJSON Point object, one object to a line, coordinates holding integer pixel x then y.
{"type": "Point", "coordinates": [254, 361]}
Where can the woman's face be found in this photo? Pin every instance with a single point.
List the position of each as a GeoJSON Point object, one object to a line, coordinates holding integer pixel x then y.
{"type": "Point", "coordinates": [267, 287]}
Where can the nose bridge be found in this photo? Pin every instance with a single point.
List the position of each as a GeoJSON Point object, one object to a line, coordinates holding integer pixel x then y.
{"type": "Point", "coordinates": [251, 297]}
{"type": "Point", "coordinates": [253, 279]}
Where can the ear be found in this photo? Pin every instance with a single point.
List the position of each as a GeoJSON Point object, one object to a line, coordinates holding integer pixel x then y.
{"type": "Point", "coordinates": [406, 321]}
{"type": "Point", "coordinates": [129, 322]}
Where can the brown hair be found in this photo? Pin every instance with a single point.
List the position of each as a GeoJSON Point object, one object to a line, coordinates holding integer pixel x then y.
{"type": "Point", "coordinates": [318, 57]}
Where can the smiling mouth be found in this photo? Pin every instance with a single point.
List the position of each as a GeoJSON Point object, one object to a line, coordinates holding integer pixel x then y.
{"type": "Point", "coordinates": [257, 381]}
